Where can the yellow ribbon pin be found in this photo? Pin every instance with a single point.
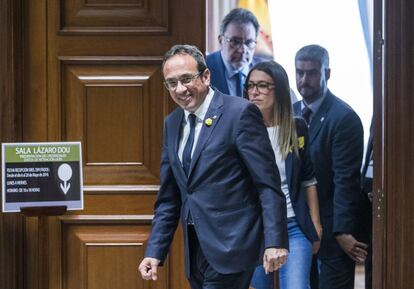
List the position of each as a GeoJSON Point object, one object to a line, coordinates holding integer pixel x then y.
{"type": "Point", "coordinates": [301, 142]}
{"type": "Point", "coordinates": [208, 122]}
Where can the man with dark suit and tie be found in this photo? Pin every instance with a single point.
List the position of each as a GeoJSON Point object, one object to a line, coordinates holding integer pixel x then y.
{"type": "Point", "coordinates": [230, 65]}
{"type": "Point", "coordinates": [336, 148]}
{"type": "Point", "coordinates": [217, 179]}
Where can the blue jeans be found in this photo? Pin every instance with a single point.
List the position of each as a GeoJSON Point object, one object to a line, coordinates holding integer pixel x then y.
{"type": "Point", "coordinates": [295, 273]}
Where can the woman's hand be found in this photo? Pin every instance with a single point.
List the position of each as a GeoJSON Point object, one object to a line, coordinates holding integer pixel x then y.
{"type": "Point", "coordinates": [317, 244]}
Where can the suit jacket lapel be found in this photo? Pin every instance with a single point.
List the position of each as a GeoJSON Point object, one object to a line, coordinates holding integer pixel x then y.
{"type": "Point", "coordinates": [289, 170]}
{"type": "Point", "coordinates": [297, 108]}
{"type": "Point", "coordinates": [175, 131]}
{"type": "Point", "coordinates": [221, 75]}
{"type": "Point", "coordinates": [319, 118]}
{"type": "Point", "coordinates": [214, 112]}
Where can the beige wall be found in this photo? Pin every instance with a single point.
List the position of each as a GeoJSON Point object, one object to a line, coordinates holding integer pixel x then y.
{"type": "Point", "coordinates": [216, 10]}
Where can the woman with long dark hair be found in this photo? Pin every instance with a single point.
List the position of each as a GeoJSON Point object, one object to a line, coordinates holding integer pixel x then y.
{"type": "Point", "coordinates": [267, 86]}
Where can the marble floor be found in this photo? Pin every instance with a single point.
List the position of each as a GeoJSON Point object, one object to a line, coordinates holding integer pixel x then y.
{"type": "Point", "coordinates": [359, 277]}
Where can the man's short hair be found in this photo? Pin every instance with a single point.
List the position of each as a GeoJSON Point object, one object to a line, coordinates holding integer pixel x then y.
{"type": "Point", "coordinates": [314, 53]}
{"type": "Point", "coordinates": [186, 49]}
{"type": "Point", "coordinates": [239, 16]}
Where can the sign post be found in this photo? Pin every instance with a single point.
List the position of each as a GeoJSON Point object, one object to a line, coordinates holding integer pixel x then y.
{"type": "Point", "coordinates": [42, 180]}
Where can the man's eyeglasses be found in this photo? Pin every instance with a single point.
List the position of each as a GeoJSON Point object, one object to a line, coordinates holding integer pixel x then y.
{"type": "Point", "coordinates": [262, 87]}
{"type": "Point", "coordinates": [238, 42]}
{"type": "Point", "coordinates": [171, 84]}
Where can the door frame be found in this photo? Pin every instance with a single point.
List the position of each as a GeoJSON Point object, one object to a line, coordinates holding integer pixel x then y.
{"type": "Point", "coordinates": [11, 225]}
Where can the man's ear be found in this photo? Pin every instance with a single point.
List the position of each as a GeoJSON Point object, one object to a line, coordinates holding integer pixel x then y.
{"type": "Point", "coordinates": [327, 73]}
{"type": "Point", "coordinates": [220, 40]}
{"type": "Point", "coordinates": [205, 77]}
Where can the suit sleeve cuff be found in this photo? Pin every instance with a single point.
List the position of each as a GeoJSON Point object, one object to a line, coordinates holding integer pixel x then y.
{"type": "Point", "coordinates": [309, 183]}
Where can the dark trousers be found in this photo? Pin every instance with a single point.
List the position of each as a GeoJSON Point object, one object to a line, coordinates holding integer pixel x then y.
{"type": "Point", "coordinates": [314, 273]}
{"type": "Point", "coordinates": [203, 276]}
{"type": "Point", "coordinates": [337, 273]}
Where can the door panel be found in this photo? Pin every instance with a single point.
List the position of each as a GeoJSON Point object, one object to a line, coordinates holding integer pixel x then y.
{"type": "Point", "coordinates": [116, 109]}
{"type": "Point", "coordinates": [103, 17]}
{"type": "Point", "coordinates": [102, 253]}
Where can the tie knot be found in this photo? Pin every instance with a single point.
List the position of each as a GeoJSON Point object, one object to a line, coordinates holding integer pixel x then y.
{"type": "Point", "coordinates": [306, 111]}
{"type": "Point", "coordinates": [192, 119]}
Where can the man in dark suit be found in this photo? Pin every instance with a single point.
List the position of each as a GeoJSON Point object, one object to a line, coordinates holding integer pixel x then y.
{"type": "Point", "coordinates": [218, 179]}
{"type": "Point", "coordinates": [336, 147]}
{"type": "Point", "coordinates": [229, 66]}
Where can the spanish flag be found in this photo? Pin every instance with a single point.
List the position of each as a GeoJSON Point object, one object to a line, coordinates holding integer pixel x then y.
{"type": "Point", "coordinates": [261, 10]}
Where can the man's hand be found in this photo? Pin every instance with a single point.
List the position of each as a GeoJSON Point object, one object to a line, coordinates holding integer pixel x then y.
{"type": "Point", "coordinates": [274, 258]}
{"type": "Point", "coordinates": [148, 268]}
{"type": "Point", "coordinates": [357, 251]}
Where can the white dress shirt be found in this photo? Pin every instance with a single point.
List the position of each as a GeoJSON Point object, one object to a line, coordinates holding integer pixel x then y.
{"type": "Point", "coordinates": [200, 113]}
{"type": "Point", "coordinates": [231, 77]}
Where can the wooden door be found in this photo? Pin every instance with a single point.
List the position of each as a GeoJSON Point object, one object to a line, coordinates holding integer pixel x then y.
{"type": "Point", "coordinates": [393, 147]}
{"type": "Point", "coordinates": [92, 73]}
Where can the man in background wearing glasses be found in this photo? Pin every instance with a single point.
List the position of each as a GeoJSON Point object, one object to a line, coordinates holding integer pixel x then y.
{"type": "Point", "coordinates": [216, 177]}
{"type": "Point", "coordinates": [230, 65]}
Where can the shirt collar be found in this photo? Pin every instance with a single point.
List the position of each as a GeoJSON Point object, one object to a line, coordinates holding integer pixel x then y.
{"type": "Point", "coordinates": [314, 106]}
{"type": "Point", "coordinates": [201, 111]}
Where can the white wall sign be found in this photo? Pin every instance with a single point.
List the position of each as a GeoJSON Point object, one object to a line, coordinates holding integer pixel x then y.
{"type": "Point", "coordinates": [41, 175]}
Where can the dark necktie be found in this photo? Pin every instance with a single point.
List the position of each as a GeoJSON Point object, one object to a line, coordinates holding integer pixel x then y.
{"type": "Point", "coordinates": [189, 144]}
{"type": "Point", "coordinates": [239, 84]}
{"type": "Point", "coordinates": [306, 113]}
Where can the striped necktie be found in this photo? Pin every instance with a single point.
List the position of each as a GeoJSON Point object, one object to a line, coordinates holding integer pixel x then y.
{"type": "Point", "coordinates": [306, 113]}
